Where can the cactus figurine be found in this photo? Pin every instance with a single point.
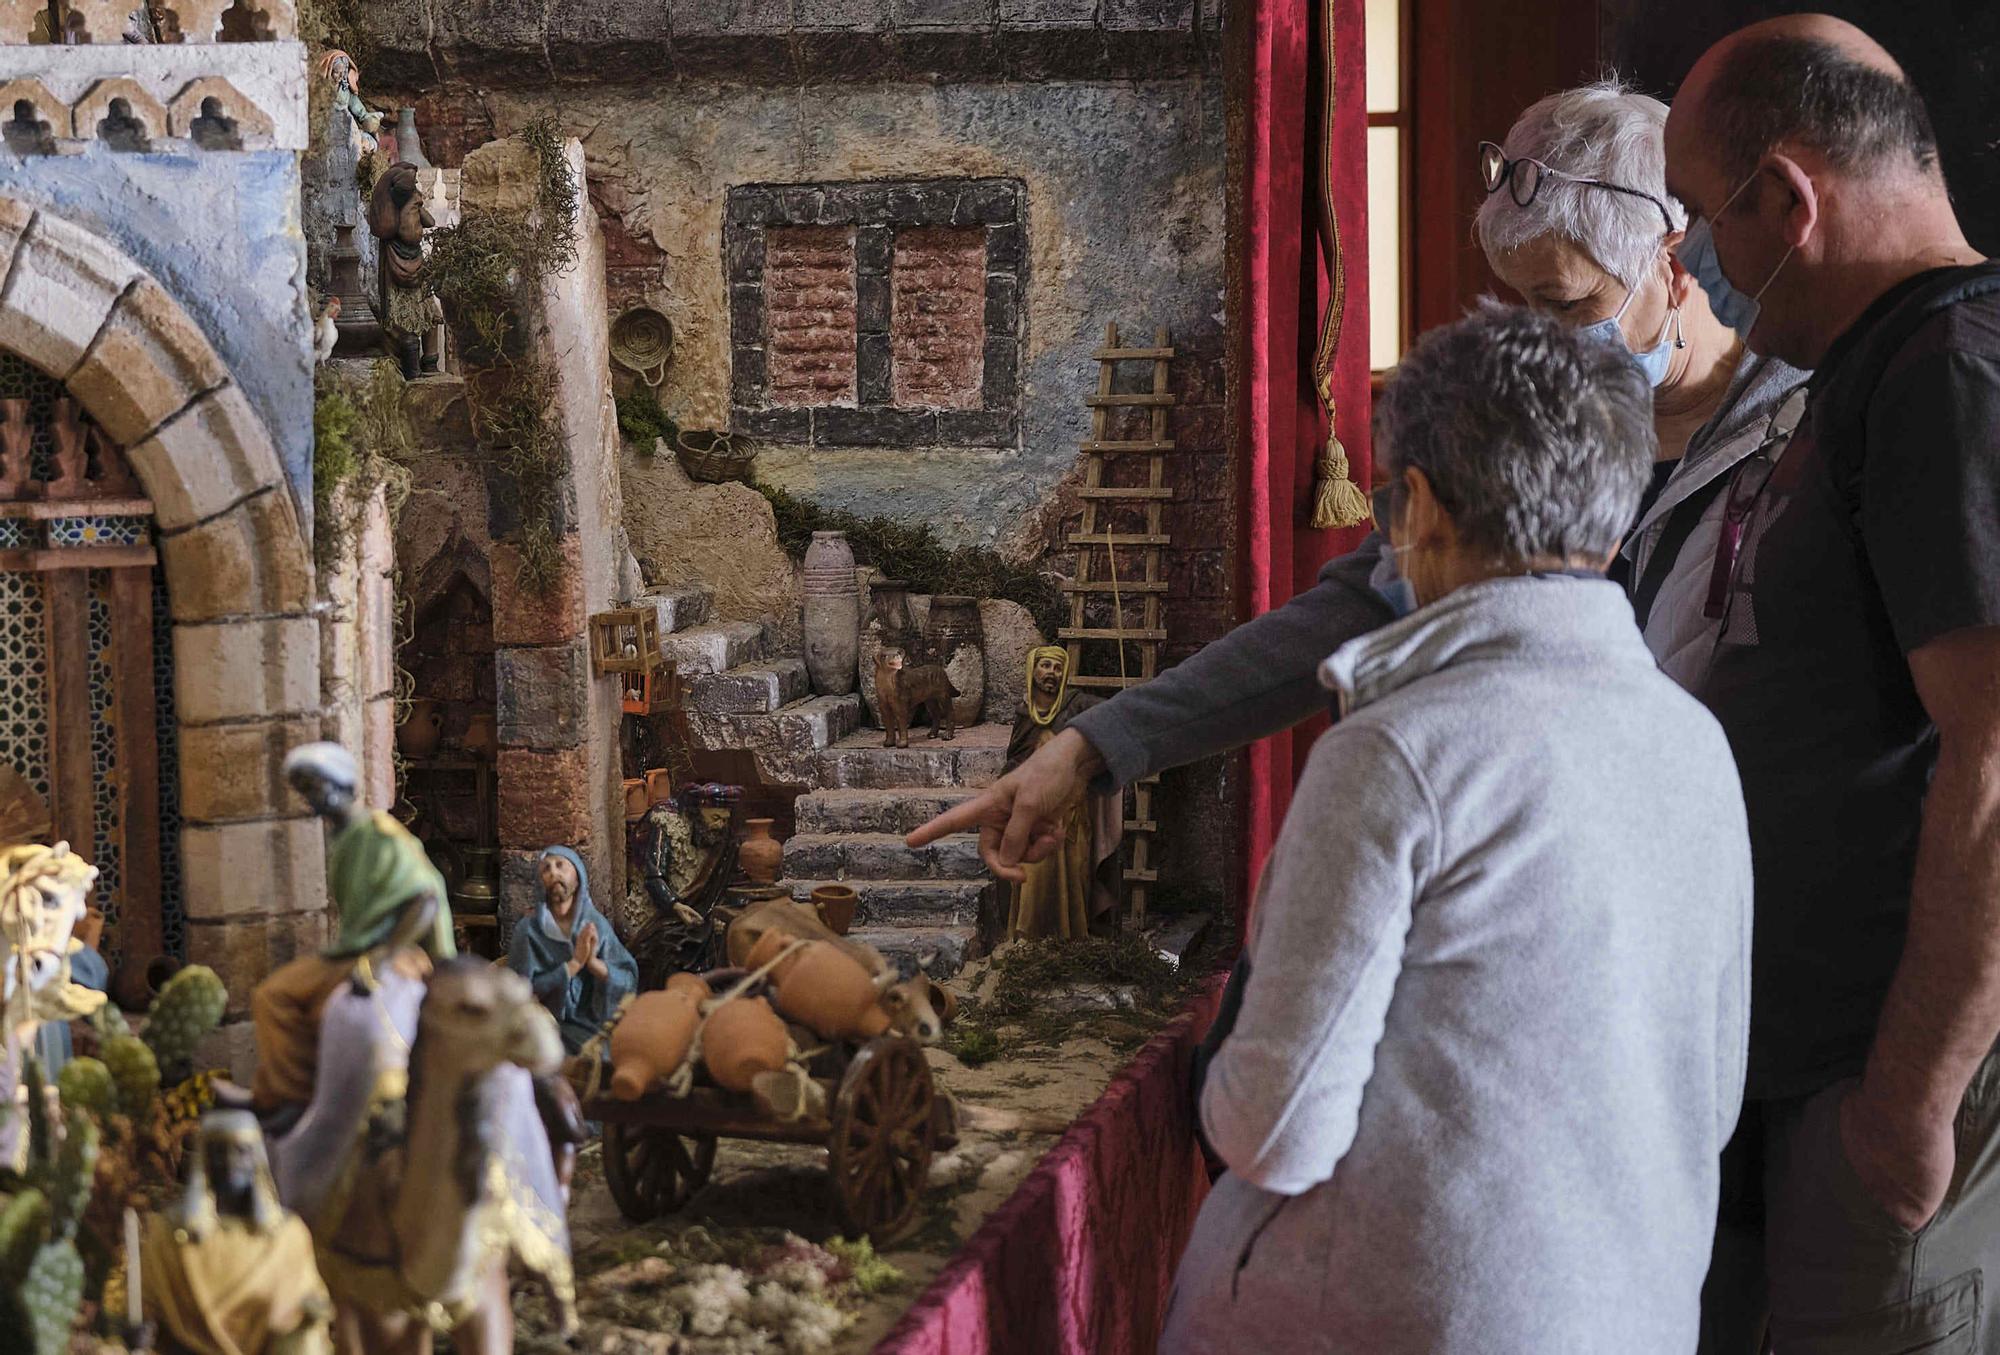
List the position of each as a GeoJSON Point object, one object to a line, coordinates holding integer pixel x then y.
{"type": "Point", "coordinates": [24, 1226]}
{"type": "Point", "coordinates": [135, 1071]}
{"type": "Point", "coordinates": [69, 1183]}
{"type": "Point", "coordinates": [188, 1007]}
{"type": "Point", "coordinates": [49, 1296]}
{"type": "Point", "coordinates": [87, 1083]}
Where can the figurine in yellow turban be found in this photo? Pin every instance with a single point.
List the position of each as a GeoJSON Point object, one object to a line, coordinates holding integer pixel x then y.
{"type": "Point", "coordinates": [1077, 882]}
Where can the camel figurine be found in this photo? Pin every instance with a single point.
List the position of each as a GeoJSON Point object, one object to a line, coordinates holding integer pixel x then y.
{"type": "Point", "coordinates": [421, 1164]}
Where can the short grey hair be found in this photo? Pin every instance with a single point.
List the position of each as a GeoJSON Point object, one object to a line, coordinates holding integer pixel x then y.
{"type": "Point", "coordinates": [1607, 131]}
{"type": "Point", "coordinates": [1536, 439]}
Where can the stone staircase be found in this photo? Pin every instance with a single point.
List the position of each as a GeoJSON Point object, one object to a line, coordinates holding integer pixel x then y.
{"type": "Point", "coordinates": [930, 908]}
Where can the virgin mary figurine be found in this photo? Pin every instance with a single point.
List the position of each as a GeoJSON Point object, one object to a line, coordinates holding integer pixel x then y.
{"type": "Point", "coordinates": [568, 953]}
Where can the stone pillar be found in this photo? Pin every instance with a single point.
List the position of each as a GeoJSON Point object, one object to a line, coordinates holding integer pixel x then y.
{"type": "Point", "coordinates": [559, 724]}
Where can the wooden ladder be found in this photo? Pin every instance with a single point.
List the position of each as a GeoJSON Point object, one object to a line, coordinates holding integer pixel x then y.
{"type": "Point", "coordinates": [1109, 534]}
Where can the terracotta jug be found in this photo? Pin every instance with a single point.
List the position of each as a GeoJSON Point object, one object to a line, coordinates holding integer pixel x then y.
{"type": "Point", "coordinates": [760, 855]}
{"type": "Point", "coordinates": [836, 905]}
{"type": "Point", "coordinates": [826, 989]}
{"type": "Point", "coordinates": [659, 785]}
{"type": "Point", "coordinates": [769, 947]}
{"type": "Point", "coordinates": [743, 1038]}
{"type": "Point", "coordinates": [692, 984]}
{"type": "Point", "coordinates": [636, 800]}
{"type": "Point", "coordinates": [652, 1038]}
{"type": "Point", "coordinates": [419, 734]}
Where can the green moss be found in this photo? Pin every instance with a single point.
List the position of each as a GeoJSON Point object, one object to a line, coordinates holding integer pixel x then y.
{"type": "Point", "coordinates": [972, 1045]}
{"type": "Point", "coordinates": [641, 419]}
{"type": "Point", "coordinates": [872, 1275]}
{"type": "Point", "coordinates": [913, 553]}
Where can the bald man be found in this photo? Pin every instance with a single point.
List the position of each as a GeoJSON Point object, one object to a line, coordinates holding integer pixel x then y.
{"type": "Point", "coordinates": [1858, 678]}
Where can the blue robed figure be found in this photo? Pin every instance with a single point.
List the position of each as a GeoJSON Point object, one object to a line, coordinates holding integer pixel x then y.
{"type": "Point", "coordinates": [568, 952]}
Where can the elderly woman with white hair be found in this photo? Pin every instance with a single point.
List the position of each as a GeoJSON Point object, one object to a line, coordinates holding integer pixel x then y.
{"type": "Point", "coordinates": [1578, 222]}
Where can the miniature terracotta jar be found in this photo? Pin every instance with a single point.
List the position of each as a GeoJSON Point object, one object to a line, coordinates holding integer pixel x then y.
{"type": "Point", "coordinates": [826, 990]}
{"type": "Point", "coordinates": [760, 855]}
{"type": "Point", "coordinates": [836, 905]}
{"type": "Point", "coordinates": [832, 614]}
{"type": "Point", "coordinates": [636, 800]}
{"type": "Point", "coordinates": [957, 639]}
{"type": "Point", "coordinates": [659, 785]}
{"type": "Point", "coordinates": [743, 1038]}
{"type": "Point", "coordinates": [692, 984]}
{"type": "Point", "coordinates": [652, 1038]}
{"type": "Point", "coordinates": [419, 734]}
{"type": "Point", "coordinates": [768, 947]}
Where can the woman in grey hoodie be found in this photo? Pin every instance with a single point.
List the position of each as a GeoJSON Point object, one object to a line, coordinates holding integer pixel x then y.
{"type": "Point", "coordinates": [1493, 1034]}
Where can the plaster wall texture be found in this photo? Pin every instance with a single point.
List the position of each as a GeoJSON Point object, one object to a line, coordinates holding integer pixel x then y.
{"type": "Point", "coordinates": [269, 75]}
{"type": "Point", "coordinates": [219, 231]}
{"type": "Point", "coordinates": [1124, 221]}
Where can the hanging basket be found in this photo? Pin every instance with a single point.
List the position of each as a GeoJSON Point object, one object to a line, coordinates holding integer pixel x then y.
{"type": "Point", "coordinates": [642, 340]}
{"type": "Point", "coordinates": [712, 457]}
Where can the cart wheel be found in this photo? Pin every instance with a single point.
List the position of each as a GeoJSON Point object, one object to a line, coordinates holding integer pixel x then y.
{"type": "Point", "coordinates": [883, 1133]}
{"type": "Point", "coordinates": [652, 1171]}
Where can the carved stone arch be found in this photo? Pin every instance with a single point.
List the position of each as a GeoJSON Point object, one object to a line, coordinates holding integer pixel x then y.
{"type": "Point", "coordinates": [46, 106]}
{"type": "Point", "coordinates": [238, 568]}
{"type": "Point", "coordinates": [139, 101]}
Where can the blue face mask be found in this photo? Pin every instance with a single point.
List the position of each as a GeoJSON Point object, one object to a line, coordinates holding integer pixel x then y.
{"type": "Point", "coordinates": [1697, 254]}
{"type": "Point", "coordinates": [1389, 584]}
{"type": "Point", "coordinates": [1655, 361]}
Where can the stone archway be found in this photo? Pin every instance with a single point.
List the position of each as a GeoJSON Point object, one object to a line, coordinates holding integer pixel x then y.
{"type": "Point", "coordinates": [239, 577]}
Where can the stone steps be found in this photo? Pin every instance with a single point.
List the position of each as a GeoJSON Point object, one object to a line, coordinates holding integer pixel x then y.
{"type": "Point", "coordinates": [681, 606]}
{"type": "Point", "coordinates": [971, 760]}
{"type": "Point", "coordinates": [788, 741]}
{"type": "Point", "coordinates": [939, 951]}
{"type": "Point", "coordinates": [910, 903]}
{"type": "Point", "coordinates": [714, 647]}
{"type": "Point", "coordinates": [897, 810]}
{"type": "Point", "coordinates": [854, 857]}
{"type": "Point", "coordinates": [751, 689]}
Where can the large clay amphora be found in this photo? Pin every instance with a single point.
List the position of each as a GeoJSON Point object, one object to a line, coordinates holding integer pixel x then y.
{"type": "Point", "coordinates": [889, 627]}
{"type": "Point", "coordinates": [743, 1038]}
{"type": "Point", "coordinates": [652, 1038]}
{"type": "Point", "coordinates": [833, 614]}
{"type": "Point", "coordinates": [957, 640]}
{"type": "Point", "coordinates": [827, 990]}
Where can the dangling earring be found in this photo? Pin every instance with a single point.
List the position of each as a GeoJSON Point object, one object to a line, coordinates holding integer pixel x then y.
{"type": "Point", "coordinates": [1679, 342]}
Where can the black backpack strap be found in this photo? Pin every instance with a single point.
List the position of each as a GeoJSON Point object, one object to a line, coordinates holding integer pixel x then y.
{"type": "Point", "coordinates": [1681, 522]}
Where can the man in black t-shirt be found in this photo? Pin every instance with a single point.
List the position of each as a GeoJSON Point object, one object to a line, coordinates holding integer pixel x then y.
{"type": "Point", "coordinates": [1858, 678]}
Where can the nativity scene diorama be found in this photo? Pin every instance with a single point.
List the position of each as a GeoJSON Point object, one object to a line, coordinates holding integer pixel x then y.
{"type": "Point", "coordinates": [491, 648]}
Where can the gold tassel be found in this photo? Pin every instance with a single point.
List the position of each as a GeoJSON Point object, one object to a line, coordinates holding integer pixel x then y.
{"type": "Point", "coordinates": [1337, 500]}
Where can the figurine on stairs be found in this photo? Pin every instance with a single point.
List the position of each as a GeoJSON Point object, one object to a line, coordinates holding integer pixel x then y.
{"type": "Point", "coordinates": [1078, 882]}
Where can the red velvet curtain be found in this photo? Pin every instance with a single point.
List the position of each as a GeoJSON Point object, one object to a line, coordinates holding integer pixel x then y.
{"type": "Point", "coordinates": [1282, 54]}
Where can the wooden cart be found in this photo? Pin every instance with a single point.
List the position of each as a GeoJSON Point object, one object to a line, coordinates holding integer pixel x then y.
{"type": "Point", "coordinates": [884, 1118]}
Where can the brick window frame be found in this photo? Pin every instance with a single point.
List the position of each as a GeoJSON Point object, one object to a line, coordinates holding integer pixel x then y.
{"type": "Point", "coordinates": [876, 211]}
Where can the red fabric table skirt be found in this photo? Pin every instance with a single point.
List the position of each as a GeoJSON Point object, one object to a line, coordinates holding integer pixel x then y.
{"type": "Point", "coordinates": [1079, 1259]}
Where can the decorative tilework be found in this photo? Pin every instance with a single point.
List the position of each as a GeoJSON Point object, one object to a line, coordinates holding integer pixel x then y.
{"type": "Point", "coordinates": [17, 533]}
{"type": "Point", "coordinates": [173, 903]}
{"type": "Point", "coordinates": [21, 379]}
{"type": "Point", "coordinates": [100, 531]}
{"type": "Point", "coordinates": [24, 679]}
{"type": "Point", "coordinates": [108, 837]}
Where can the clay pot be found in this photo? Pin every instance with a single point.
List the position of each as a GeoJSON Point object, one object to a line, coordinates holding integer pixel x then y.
{"type": "Point", "coordinates": [889, 626]}
{"type": "Point", "coordinates": [760, 854]}
{"type": "Point", "coordinates": [836, 904]}
{"type": "Point", "coordinates": [480, 735]}
{"type": "Point", "coordinates": [637, 802]}
{"type": "Point", "coordinates": [958, 641]}
{"type": "Point", "coordinates": [769, 946]}
{"type": "Point", "coordinates": [652, 1038]}
{"type": "Point", "coordinates": [407, 146]}
{"type": "Point", "coordinates": [693, 984]}
{"type": "Point", "coordinates": [418, 736]}
{"type": "Point", "coordinates": [826, 989]}
{"type": "Point", "coordinates": [832, 614]}
{"type": "Point", "coordinates": [659, 785]}
{"type": "Point", "coordinates": [743, 1038]}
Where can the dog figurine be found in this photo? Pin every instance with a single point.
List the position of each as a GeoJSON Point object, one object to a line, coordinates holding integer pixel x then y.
{"type": "Point", "coordinates": [902, 693]}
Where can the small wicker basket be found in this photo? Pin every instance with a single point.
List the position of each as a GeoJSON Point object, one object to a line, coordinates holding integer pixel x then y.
{"type": "Point", "coordinates": [712, 457]}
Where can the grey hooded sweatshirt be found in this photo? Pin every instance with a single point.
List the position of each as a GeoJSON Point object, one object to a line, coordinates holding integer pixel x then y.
{"type": "Point", "coordinates": [1494, 1032]}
